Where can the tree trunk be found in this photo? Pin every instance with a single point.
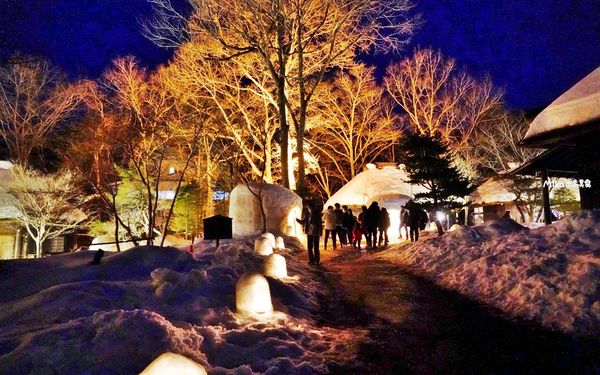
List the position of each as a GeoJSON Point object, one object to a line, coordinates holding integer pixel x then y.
{"type": "Point", "coordinates": [114, 199]}
{"type": "Point", "coordinates": [38, 247]}
{"type": "Point", "coordinates": [438, 224]}
{"type": "Point", "coordinates": [283, 125]}
{"type": "Point", "coordinates": [301, 184]}
{"type": "Point", "coordinates": [172, 205]}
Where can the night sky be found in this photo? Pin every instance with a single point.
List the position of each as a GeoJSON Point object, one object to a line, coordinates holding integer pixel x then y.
{"type": "Point", "coordinates": [535, 49]}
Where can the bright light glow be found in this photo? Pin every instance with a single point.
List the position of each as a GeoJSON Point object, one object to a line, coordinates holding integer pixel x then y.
{"type": "Point", "coordinates": [270, 236]}
{"type": "Point", "coordinates": [279, 243]}
{"type": "Point", "coordinates": [393, 231]}
{"type": "Point", "coordinates": [263, 246]}
{"type": "Point", "coordinates": [275, 267]}
{"type": "Point", "coordinates": [173, 364]}
{"type": "Point", "coordinates": [292, 227]}
{"type": "Point", "coordinates": [440, 216]}
{"type": "Point", "coordinates": [253, 296]}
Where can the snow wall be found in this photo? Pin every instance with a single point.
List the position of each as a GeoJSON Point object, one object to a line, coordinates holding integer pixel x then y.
{"type": "Point", "coordinates": [282, 207]}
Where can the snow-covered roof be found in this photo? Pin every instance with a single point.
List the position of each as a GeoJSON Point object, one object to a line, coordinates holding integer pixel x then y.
{"type": "Point", "coordinates": [372, 183]}
{"type": "Point", "coordinates": [578, 106]}
{"type": "Point", "coordinates": [7, 210]}
{"type": "Point", "coordinates": [493, 191]}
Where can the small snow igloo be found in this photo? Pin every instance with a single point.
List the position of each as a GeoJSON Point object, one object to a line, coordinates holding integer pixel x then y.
{"type": "Point", "coordinates": [282, 207]}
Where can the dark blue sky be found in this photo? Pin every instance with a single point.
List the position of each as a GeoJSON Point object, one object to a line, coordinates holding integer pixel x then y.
{"type": "Point", "coordinates": [535, 49]}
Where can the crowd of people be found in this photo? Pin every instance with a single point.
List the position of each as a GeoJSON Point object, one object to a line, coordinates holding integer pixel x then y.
{"type": "Point", "coordinates": [341, 226]}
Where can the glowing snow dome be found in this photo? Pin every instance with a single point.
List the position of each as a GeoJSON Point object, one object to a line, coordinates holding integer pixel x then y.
{"type": "Point", "coordinates": [173, 364]}
{"type": "Point", "coordinates": [253, 296]}
{"type": "Point", "coordinates": [275, 267]}
{"type": "Point", "coordinates": [374, 183]}
{"type": "Point", "coordinates": [263, 246]}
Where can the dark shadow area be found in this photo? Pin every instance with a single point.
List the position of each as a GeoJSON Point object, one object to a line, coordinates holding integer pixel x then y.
{"type": "Point", "coordinates": [416, 327]}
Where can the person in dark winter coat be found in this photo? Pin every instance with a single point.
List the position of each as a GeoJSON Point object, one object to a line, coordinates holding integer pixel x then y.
{"type": "Point", "coordinates": [357, 235]}
{"type": "Point", "coordinates": [417, 220]}
{"type": "Point", "coordinates": [312, 226]}
{"type": "Point", "coordinates": [339, 224]}
{"type": "Point", "coordinates": [371, 221]}
{"type": "Point", "coordinates": [383, 226]}
{"type": "Point", "coordinates": [348, 224]}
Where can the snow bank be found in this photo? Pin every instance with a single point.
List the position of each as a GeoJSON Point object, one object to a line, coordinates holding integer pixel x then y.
{"type": "Point", "coordinates": [117, 317]}
{"type": "Point", "coordinates": [549, 274]}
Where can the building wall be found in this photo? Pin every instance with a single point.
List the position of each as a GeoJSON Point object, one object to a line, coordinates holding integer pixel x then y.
{"type": "Point", "coordinates": [7, 245]}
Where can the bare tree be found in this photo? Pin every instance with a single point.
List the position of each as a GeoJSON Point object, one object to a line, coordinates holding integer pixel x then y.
{"type": "Point", "coordinates": [241, 101]}
{"type": "Point", "coordinates": [155, 124]}
{"type": "Point", "coordinates": [296, 41]}
{"type": "Point", "coordinates": [352, 123]}
{"type": "Point", "coordinates": [496, 145]}
{"type": "Point", "coordinates": [47, 205]}
{"type": "Point", "coordinates": [34, 100]}
{"type": "Point", "coordinates": [440, 101]}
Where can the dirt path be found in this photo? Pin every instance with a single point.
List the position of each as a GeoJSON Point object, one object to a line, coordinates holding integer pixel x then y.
{"type": "Point", "coordinates": [416, 327]}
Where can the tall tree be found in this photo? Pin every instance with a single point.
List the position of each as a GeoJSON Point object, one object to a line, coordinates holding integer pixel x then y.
{"type": "Point", "coordinates": [241, 101]}
{"type": "Point", "coordinates": [34, 100]}
{"type": "Point", "coordinates": [427, 164]}
{"type": "Point", "coordinates": [351, 123]}
{"type": "Point", "coordinates": [296, 41]}
{"type": "Point", "coordinates": [440, 101]}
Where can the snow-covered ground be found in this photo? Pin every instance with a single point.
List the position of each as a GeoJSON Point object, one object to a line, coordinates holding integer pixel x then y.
{"type": "Point", "coordinates": [63, 315]}
{"type": "Point", "coordinates": [549, 274]}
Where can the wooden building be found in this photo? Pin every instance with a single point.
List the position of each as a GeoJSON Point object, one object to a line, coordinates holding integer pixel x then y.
{"type": "Point", "coordinates": [569, 130]}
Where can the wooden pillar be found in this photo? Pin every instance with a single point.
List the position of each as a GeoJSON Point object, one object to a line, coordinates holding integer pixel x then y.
{"type": "Point", "coordinates": [546, 198]}
{"type": "Point", "coordinates": [18, 246]}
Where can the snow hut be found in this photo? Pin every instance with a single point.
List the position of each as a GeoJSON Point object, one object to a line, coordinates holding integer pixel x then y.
{"type": "Point", "coordinates": [282, 206]}
{"type": "Point", "coordinates": [569, 130]}
{"type": "Point", "coordinates": [385, 183]}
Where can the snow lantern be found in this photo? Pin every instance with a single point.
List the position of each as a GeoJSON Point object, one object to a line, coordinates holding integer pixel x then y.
{"type": "Point", "coordinates": [173, 364]}
{"type": "Point", "coordinates": [270, 236]}
{"type": "Point", "coordinates": [263, 246]}
{"type": "Point", "coordinates": [279, 243]}
{"type": "Point", "coordinates": [275, 267]}
{"type": "Point", "coordinates": [252, 295]}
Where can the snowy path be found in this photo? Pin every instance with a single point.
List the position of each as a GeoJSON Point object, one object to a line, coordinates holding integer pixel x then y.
{"type": "Point", "coordinates": [417, 327]}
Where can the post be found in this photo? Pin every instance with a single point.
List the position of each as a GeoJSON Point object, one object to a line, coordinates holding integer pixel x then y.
{"type": "Point", "coordinates": [546, 198]}
{"type": "Point", "coordinates": [18, 245]}
{"type": "Point", "coordinates": [114, 198]}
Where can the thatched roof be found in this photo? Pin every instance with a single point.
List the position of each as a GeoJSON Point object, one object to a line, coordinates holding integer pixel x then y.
{"type": "Point", "coordinates": [575, 112]}
{"type": "Point", "coordinates": [493, 191]}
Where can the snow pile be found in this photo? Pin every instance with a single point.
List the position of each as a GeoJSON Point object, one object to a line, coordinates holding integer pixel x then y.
{"type": "Point", "coordinates": [117, 317]}
{"type": "Point", "coordinates": [549, 274]}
